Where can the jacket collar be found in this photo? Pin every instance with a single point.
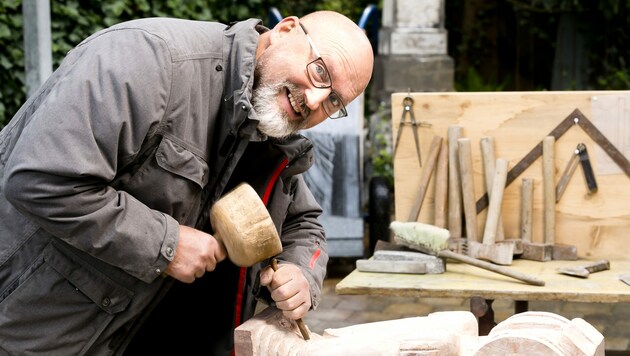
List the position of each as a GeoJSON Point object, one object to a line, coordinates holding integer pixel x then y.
{"type": "Point", "coordinates": [241, 41]}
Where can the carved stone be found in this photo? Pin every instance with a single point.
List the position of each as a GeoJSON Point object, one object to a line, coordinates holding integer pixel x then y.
{"type": "Point", "coordinates": [443, 333]}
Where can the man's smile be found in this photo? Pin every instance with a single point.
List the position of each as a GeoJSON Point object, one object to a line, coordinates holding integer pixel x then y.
{"type": "Point", "coordinates": [294, 104]}
{"type": "Point", "coordinates": [295, 110]}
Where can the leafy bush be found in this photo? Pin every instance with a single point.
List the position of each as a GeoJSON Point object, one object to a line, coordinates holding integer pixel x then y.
{"type": "Point", "coordinates": [11, 59]}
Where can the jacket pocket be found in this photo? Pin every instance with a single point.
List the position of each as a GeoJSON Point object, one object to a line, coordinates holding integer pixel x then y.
{"type": "Point", "coordinates": [62, 307]}
{"type": "Point", "coordinates": [170, 180]}
{"type": "Point", "coordinates": [178, 160]}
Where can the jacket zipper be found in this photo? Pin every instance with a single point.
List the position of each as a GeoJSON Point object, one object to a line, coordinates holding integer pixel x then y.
{"type": "Point", "coordinates": [301, 154]}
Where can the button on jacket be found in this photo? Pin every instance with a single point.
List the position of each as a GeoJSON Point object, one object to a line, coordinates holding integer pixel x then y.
{"type": "Point", "coordinates": [140, 129]}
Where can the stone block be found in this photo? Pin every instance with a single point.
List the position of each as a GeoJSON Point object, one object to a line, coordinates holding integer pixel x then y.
{"type": "Point", "coordinates": [419, 74]}
{"type": "Point", "coordinates": [413, 13]}
{"type": "Point", "coordinates": [421, 42]}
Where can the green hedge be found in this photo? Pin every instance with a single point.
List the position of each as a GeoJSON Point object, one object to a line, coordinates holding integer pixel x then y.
{"type": "Point", "coordinates": [11, 59]}
{"type": "Point", "coordinates": [73, 20]}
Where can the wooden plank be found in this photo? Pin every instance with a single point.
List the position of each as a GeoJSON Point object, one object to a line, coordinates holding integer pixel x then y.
{"type": "Point", "coordinates": [518, 121]}
{"type": "Point", "coordinates": [464, 281]}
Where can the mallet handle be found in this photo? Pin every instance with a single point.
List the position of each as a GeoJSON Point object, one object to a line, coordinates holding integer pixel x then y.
{"type": "Point", "coordinates": [492, 267]}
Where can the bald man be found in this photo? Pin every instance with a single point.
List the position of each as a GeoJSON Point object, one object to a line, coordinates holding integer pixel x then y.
{"type": "Point", "coordinates": [108, 173]}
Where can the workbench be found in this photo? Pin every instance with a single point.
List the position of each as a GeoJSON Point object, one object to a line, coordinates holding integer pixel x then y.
{"type": "Point", "coordinates": [596, 224]}
{"type": "Point", "coordinates": [464, 281]}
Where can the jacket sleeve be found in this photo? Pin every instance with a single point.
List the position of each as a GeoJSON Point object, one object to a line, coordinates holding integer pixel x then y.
{"type": "Point", "coordinates": [304, 239]}
{"type": "Point", "coordinates": [107, 97]}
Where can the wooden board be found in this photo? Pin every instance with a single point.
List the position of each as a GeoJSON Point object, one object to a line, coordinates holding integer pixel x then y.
{"type": "Point", "coordinates": [464, 281]}
{"type": "Point", "coordinates": [597, 224]}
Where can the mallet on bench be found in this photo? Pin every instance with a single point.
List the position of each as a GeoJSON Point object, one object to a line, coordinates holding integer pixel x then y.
{"type": "Point", "coordinates": [434, 240]}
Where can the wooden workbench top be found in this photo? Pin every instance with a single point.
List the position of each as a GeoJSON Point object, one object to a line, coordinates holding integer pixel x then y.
{"type": "Point", "coordinates": [464, 281]}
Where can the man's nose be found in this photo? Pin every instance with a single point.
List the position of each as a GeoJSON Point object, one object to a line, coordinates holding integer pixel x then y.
{"type": "Point", "coordinates": [315, 97]}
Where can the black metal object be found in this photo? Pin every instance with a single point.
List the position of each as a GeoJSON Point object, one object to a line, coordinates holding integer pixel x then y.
{"type": "Point", "coordinates": [587, 168]}
{"type": "Point", "coordinates": [580, 155]}
{"type": "Point", "coordinates": [379, 216]}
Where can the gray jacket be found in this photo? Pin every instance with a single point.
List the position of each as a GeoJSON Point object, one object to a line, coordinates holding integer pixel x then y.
{"type": "Point", "coordinates": [139, 130]}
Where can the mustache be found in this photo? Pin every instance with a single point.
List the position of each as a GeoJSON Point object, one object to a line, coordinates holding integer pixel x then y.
{"type": "Point", "coordinates": [298, 97]}
{"type": "Point", "coordinates": [272, 121]}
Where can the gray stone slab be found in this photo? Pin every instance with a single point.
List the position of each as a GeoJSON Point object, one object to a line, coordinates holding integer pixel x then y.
{"type": "Point", "coordinates": [434, 264]}
{"type": "Point", "coordinates": [401, 266]}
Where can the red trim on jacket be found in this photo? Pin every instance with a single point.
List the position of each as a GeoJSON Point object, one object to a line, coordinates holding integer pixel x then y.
{"type": "Point", "coordinates": [314, 258]}
{"type": "Point", "coordinates": [243, 271]}
{"type": "Point", "coordinates": [273, 179]}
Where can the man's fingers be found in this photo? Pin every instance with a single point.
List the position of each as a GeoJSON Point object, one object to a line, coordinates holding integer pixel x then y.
{"type": "Point", "coordinates": [197, 253]}
{"type": "Point", "coordinates": [284, 292]}
{"type": "Point", "coordinates": [296, 313]}
{"type": "Point", "coordinates": [289, 290]}
{"type": "Point", "coordinates": [220, 252]}
{"type": "Point", "coordinates": [289, 299]}
{"type": "Point", "coordinates": [266, 276]}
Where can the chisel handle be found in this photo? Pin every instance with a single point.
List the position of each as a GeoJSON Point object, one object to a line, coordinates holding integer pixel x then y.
{"type": "Point", "coordinates": [492, 267]}
{"type": "Point", "coordinates": [587, 168]}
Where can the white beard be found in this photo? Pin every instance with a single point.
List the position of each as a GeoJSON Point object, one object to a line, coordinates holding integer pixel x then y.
{"type": "Point", "coordinates": [273, 122]}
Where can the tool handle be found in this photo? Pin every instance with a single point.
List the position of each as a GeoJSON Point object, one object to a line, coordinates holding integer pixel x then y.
{"type": "Point", "coordinates": [299, 322]}
{"type": "Point", "coordinates": [492, 267]}
{"type": "Point", "coordinates": [588, 169]}
{"type": "Point", "coordinates": [425, 177]}
{"type": "Point", "coordinates": [566, 176]}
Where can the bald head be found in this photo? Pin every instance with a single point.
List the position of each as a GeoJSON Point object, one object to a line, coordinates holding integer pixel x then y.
{"type": "Point", "coordinates": [294, 88]}
{"type": "Point", "coordinates": [339, 38]}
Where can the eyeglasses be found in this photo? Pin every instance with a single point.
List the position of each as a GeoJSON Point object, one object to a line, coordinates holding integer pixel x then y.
{"type": "Point", "coordinates": [320, 77]}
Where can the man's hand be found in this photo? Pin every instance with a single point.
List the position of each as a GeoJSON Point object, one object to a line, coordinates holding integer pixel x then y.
{"type": "Point", "coordinates": [196, 254]}
{"type": "Point", "coordinates": [289, 289]}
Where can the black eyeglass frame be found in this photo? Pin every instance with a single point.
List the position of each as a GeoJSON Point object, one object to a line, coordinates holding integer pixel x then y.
{"type": "Point", "coordinates": [342, 111]}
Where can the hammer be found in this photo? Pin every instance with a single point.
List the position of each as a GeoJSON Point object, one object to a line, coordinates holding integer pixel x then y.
{"type": "Point", "coordinates": [242, 224]}
{"type": "Point", "coordinates": [434, 241]}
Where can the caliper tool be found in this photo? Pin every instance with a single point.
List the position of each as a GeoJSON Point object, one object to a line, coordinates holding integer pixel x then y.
{"type": "Point", "coordinates": [579, 155]}
{"type": "Point", "coordinates": [408, 111]}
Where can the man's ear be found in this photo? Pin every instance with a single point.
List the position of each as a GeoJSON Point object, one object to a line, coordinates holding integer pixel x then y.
{"type": "Point", "coordinates": [284, 28]}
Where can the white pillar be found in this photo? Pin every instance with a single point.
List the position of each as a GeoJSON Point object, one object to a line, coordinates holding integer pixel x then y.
{"type": "Point", "coordinates": [37, 43]}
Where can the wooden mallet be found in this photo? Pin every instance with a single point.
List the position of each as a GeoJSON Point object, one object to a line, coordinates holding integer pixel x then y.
{"type": "Point", "coordinates": [242, 223]}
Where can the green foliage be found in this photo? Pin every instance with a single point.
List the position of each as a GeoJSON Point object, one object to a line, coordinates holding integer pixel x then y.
{"type": "Point", "coordinates": [74, 20]}
{"type": "Point", "coordinates": [608, 41]}
{"type": "Point", "coordinates": [383, 165]}
{"type": "Point", "coordinates": [475, 82]}
{"type": "Point", "coordinates": [350, 8]}
{"type": "Point", "coordinates": [11, 59]}
{"type": "Point", "coordinates": [605, 25]}
{"type": "Point", "coordinates": [379, 145]}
